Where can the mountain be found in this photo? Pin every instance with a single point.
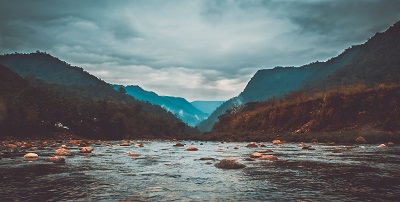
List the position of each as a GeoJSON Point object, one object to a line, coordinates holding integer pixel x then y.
{"type": "Point", "coordinates": [339, 115]}
{"type": "Point", "coordinates": [45, 67]}
{"type": "Point", "coordinates": [371, 63]}
{"type": "Point", "coordinates": [207, 107]}
{"type": "Point", "coordinates": [176, 105]}
{"type": "Point", "coordinates": [53, 91]}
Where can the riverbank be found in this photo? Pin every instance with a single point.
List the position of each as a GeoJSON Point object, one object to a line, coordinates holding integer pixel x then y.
{"type": "Point", "coordinates": [344, 137]}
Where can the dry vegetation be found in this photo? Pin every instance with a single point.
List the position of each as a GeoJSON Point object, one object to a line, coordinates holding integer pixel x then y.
{"type": "Point", "coordinates": [338, 115]}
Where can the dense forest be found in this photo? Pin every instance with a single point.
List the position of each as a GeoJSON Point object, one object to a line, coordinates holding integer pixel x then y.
{"type": "Point", "coordinates": [35, 109]}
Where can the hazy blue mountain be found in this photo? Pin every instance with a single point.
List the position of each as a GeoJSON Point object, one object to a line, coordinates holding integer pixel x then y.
{"type": "Point", "coordinates": [176, 105]}
{"type": "Point", "coordinates": [375, 61]}
{"type": "Point", "coordinates": [207, 106]}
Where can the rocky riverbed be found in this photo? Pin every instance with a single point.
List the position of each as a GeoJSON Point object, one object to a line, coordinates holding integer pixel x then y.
{"type": "Point", "coordinates": [197, 171]}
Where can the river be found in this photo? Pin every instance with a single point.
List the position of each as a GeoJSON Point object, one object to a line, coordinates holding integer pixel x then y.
{"type": "Point", "coordinates": [167, 173]}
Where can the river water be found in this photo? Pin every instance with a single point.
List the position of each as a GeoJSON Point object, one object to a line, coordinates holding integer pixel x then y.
{"type": "Point", "coordinates": [167, 173]}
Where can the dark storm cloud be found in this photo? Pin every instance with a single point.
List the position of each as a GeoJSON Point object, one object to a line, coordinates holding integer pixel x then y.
{"type": "Point", "coordinates": [209, 49]}
{"type": "Point", "coordinates": [346, 20]}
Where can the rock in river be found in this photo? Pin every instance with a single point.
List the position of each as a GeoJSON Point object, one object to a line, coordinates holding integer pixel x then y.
{"type": "Point", "coordinates": [55, 159]}
{"type": "Point", "coordinates": [125, 144]}
{"type": "Point", "coordinates": [191, 148]}
{"type": "Point", "coordinates": [139, 145]}
{"type": "Point", "coordinates": [229, 164]}
{"type": "Point", "coordinates": [31, 156]}
{"type": "Point", "coordinates": [62, 152]}
{"type": "Point", "coordinates": [268, 157]}
{"type": "Point", "coordinates": [206, 159]}
{"type": "Point", "coordinates": [252, 145]}
{"type": "Point", "coordinates": [132, 154]}
{"type": "Point", "coordinates": [337, 150]}
{"type": "Point", "coordinates": [178, 144]}
{"type": "Point", "coordinates": [361, 140]}
{"type": "Point", "coordinates": [256, 155]}
{"type": "Point", "coordinates": [86, 150]}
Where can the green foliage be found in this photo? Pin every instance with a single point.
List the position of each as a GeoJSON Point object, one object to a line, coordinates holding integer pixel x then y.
{"type": "Point", "coordinates": [34, 109]}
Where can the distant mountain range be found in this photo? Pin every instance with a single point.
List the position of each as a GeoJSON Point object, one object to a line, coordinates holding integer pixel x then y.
{"type": "Point", "coordinates": [47, 91]}
{"type": "Point", "coordinates": [376, 61]}
{"type": "Point", "coordinates": [207, 107]}
{"type": "Point", "coordinates": [180, 107]}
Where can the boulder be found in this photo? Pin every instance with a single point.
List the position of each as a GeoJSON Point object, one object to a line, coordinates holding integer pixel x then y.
{"type": "Point", "coordinates": [311, 148]}
{"type": "Point", "coordinates": [256, 155]}
{"type": "Point", "coordinates": [31, 156]}
{"type": "Point", "coordinates": [315, 140]}
{"type": "Point", "coordinates": [305, 147]}
{"type": "Point", "coordinates": [62, 152]}
{"type": "Point", "coordinates": [12, 146]}
{"type": "Point", "coordinates": [178, 144]}
{"type": "Point", "coordinates": [229, 164]}
{"type": "Point", "coordinates": [26, 146]}
{"type": "Point", "coordinates": [390, 144]}
{"type": "Point", "coordinates": [236, 148]}
{"type": "Point", "coordinates": [361, 140]}
{"type": "Point", "coordinates": [125, 144]}
{"type": "Point", "coordinates": [208, 163]}
{"type": "Point", "coordinates": [261, 145]}
{"type": "Point", "coordinates": [64, 146]}
{"type": "Point", "coordinates": [382, 145]}
{"type": "Point", "coordinates": [55, 159]}
{"type": "Point", "coordinates": [139, 145]}
{"type": "Point", "coordinates": [191, 148]}
{"type": "Point", "coordinates": [252, 145]}
{"type": "Point", "coordinates": [268, 157]}
{"type": "Point", "coordinates": [276, 142]}
{"type": "Point", "coordinates": [86, 150]}
{"type": "Point", "coordinates": [249, 159]}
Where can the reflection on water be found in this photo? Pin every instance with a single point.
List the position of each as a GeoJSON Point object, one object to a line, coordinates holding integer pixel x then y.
{"type": "Point", "coordinates": [167, 173]}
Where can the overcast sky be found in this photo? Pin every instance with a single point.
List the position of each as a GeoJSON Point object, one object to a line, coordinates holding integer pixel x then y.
{"type": "Point", "coordinates": [199, 50]}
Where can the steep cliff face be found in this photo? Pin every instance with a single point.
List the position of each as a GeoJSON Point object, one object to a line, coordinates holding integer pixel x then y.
{"type": "Point", "coordinates": [374, 62]}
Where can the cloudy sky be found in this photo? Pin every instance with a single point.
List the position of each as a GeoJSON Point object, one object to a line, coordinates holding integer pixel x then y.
{"type": "Point", "coordinates": [197, 49]}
